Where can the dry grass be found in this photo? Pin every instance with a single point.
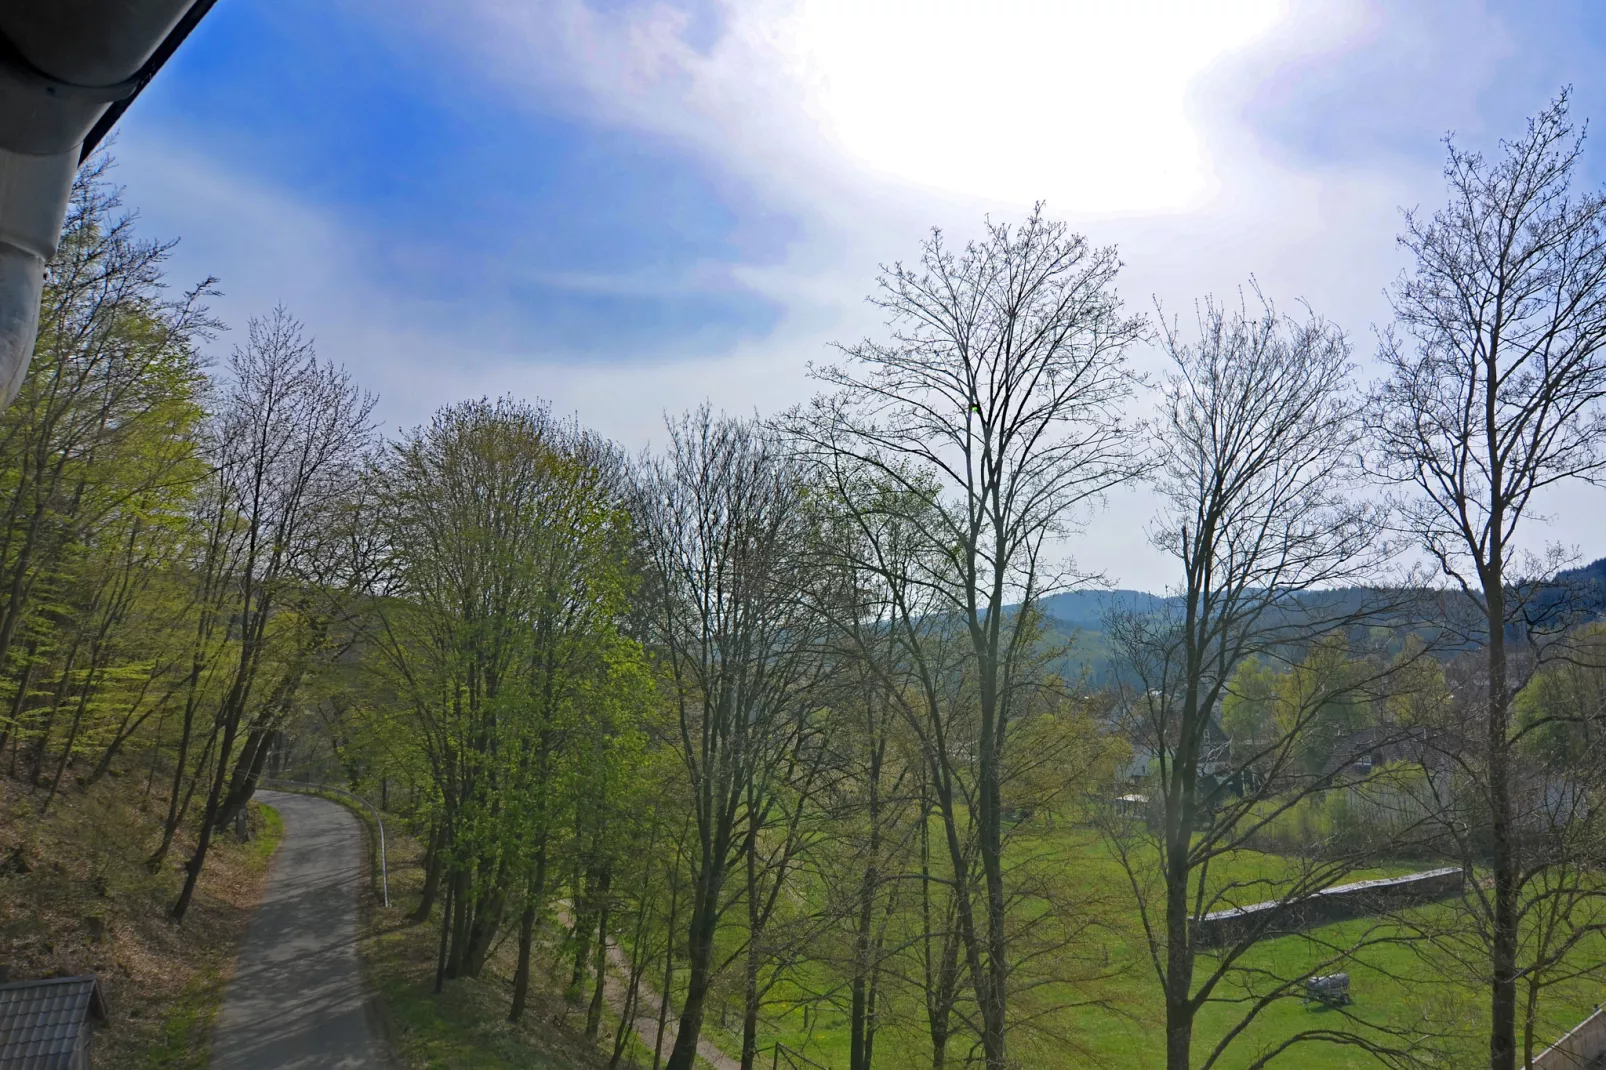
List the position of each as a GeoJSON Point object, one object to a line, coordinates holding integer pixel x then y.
{"type": "Point", "coordinates": [76, 898]}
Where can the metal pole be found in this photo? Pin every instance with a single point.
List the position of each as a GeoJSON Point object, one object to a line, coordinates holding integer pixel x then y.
{"type": "Point", "coordinates": [384, 874]}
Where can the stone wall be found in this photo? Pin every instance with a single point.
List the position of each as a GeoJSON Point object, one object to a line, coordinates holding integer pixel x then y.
{"type": "Point", "coordinates": [1578, 1049]}
{"type": "Point", "coordinates": [1339, 903]}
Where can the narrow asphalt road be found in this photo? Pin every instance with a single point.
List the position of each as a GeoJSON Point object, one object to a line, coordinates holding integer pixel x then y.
{"type": "Point", "coordinates": [296, 999]}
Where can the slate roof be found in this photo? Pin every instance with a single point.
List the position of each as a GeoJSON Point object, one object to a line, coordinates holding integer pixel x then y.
{"type": "Point", "coordinates": [40, 1021]}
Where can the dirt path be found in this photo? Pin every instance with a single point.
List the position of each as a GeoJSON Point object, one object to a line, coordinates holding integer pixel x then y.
{"type": "Point", "coordinates": [297, 1000]}
{"type": "Point", "coordinates": [645, 1022]}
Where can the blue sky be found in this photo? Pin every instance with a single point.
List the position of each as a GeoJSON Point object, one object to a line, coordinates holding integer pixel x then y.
{"type": "Point", "coordinates": [460, 196]}
{"type": "Point", "coordinates": [625, 206]}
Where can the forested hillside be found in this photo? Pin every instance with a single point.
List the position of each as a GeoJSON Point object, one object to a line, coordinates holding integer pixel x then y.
{"type": "Point", "coordinates": [1076, 621]}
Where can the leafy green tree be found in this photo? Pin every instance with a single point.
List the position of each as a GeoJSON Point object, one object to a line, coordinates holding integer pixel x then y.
{"type": "Point", "coordinates": [1324, 699]}
{"type": "Point", "coordinates": [1249, 704]}
{"type": "Point", "coordinates": [500, 590]}
{"type": "Point", "coordinates": [97, 453]}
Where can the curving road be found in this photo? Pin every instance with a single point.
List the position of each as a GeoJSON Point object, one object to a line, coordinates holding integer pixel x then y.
{"type": "Point", "coordinates": [297, 999]}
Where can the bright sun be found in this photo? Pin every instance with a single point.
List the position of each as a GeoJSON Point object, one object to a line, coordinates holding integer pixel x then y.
{"type": "Point", "coordinates": [1082, 101]}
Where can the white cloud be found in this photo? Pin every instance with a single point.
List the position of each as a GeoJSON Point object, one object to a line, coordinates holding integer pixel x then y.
{"type": "Point", "coordinates": [270, 247]}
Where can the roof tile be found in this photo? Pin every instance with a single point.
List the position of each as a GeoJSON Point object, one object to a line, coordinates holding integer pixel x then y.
{"type": "Point", "coordinates": [40, 1021]}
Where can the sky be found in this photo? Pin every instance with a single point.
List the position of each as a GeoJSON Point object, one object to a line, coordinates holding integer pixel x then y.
{"type": "Point", "coordinates": [626, 207]}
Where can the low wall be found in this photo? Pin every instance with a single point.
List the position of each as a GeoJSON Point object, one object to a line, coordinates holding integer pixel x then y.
{"type": "Point", "coordinates": [1579, 1048]}
{"type": "Point", "coordinates": [1339, 903]}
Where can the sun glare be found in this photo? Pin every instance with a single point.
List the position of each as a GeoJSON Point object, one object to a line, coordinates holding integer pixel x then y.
{"type": "Point", "coordinates": [1081, 101]}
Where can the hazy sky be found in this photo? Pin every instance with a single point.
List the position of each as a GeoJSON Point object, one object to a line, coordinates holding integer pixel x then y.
{"type": "Point", "coordinates": [626, 206]}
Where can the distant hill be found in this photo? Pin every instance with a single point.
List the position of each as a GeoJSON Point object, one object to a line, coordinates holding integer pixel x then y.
{"type": "Point", "coordinates": [1588, 584]}
{"type": "Point", "coordinates": [1081, 615]}
{"type": "Point", "coordinates": [1087, 610]}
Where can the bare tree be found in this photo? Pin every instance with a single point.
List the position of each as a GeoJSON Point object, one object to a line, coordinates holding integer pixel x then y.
{"type": "Point", "coordinates": [993, 413]}
{"type": "Point", "coordinates": [213, 538]}
{"type": "Point", "coordinates": [721, 516]}
{"type": "Point", "coordinates": [1496, 369]}
{"type": "Point", "coordinates": [1556, 782]}
{"type": "Point", "coordinates": [286, 443]}
{"type": "Point", "coordinates": [873, 803]}
{"type": "Point", "coordinates": [1257, 467]}
{"type": "Point", "coordinates": [905, 649]}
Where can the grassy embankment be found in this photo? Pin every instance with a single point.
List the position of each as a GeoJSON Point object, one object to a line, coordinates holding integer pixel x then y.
{"type": "Point", "coordinates": [465, 1027]}
{"type": "Point", "coordinates": [76, 897]}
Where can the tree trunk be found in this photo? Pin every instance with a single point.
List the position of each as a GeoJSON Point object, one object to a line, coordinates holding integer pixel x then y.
{"type": "Point", "coordinates": [20, 588]}
{"type": "Point", "coordinates": [124, 733]}
{"type": "Point", "coordinates": [863, 992]}
{"type": "Point", "coordinates": [755, 931]}
{"type": "Point", "coordinates": [177, 819]}
{"type": "Point", "coordinates": [1530, 1020]}
{"type": "Point", "coordinates": [521, 973]}
{"type": "Point", "coordinates": [214, 799]}
{"type": "Point", "coordinates": [859, 1014]}
{"type": "Point", "coordinates": [942, 967]}
{"type": "Point", "coordinates": [627, 1016]}
{"type": "Point", "coordinates": [700, 961]}
{"type": "Point", "coordinates": [600, 965]}
{"type": "Point", "coordinates": [669, 965]}
{"type": "Point", "coordinates": [433, 863]}
{"type": "Point", "coordinates": [247, 771]}
{"type": "Point", "coordinates": [1504, 934]}
{"type": "Point", "coordinates": [72, 741]}
{"type": "Point", "coordinates": [462, 919]}
{"type": "Point", "coordinates": [12, 729]}
{"type": "Point", "coordinates": [486, 922]}
{"type": "Point", "coordinates": [750, 1008]}
{"type": "Point", "coordinates": [1179, 822]}
{"type": "Point", "coordinates": [1179, 1007]}
{"type": "Point", "coordinates": [869, 1009]}
{"type": "Point", "coordinates": [440, 951]}
{"type": "Point", "coordinates": [42, 743]}
{"type": "Point", "coordinates": [156, 754]}
{"type": "Point", "coordinates": [191, 700]}
{"type": "Point", "coordinates": [994, 993]}
{"type": "Point", "coordinates": [584, 924]}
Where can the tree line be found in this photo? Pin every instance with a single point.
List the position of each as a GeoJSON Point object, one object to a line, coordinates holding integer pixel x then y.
{"type": "Point", "coordinates": [773, 711]}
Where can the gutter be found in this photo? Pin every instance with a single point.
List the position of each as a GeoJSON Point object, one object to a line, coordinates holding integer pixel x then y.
{"type": "Point", "coordinates": [68, 71]}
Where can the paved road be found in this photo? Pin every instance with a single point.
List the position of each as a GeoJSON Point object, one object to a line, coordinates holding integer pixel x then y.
{"type": "Point", "coordinates": [296, 999]}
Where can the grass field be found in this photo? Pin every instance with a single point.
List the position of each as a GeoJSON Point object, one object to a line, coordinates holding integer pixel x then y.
{"type": "Point", "coordinates": [1407, 993]}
